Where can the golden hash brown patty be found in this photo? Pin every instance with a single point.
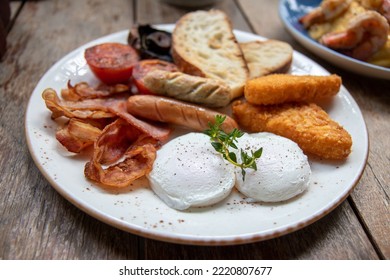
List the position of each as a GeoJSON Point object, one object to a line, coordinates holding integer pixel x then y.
{"type": "Point", "coordinates": [306, 124]}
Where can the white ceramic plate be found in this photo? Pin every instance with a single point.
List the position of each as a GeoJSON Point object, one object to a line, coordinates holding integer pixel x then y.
{"type": "Point", "coordinates": [138, 210]}
{"type": "Point", "coordinates": [291, 10]}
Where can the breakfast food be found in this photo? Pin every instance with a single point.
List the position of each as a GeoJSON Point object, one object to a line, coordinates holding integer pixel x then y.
{"type": "Point", "coordinates": [381, 6]}
{"type": "Point", "coordinates": [354, 28]}
{"type": "Point", "coordinates": [150, 43]}
{"type": "Point", "coordinates": [121, 139]}
{"type": "Point", "coordinates": [306, 124]}
{"type": "Point", "coordinates": [111, 62]}
{"type": "Point", "coordinates": [382, 57]}
{"type": "Point", "coordinates": [176, 112]}
{"type": "Point", "coordinates": [78, 134]}
{"type": "Point", "coordinates": [267, 57]}
{"type": "Point", "coordinates": [143, 67]}
{"type": "Point", "coordinates": [281, 88]}
{"type": "Point", "coordinates": [365, 35]}
{"type": "Point", "coordinates": [203, 44]}
{"type": "Point", "coordinates": [86, 109]}
{"type": "Point", "coordinates": [129, 122]}
{"type": "Point", "coordinates": [181, 86]}
{"type": "Point", "coordinates": [325, 12]}
{"type": "Point", "coordinates": [99, 109]}
{"type": "Point", "coordinates": [189, 173]}
{"type": "Point", "coordinates": [282, 159]}
{"type": "Point", "coordinates": [82, 90]}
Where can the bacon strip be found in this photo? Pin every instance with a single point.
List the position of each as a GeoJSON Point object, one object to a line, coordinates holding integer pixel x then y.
{"type": "Point", "coordinates": [157, 132]}
{"type": "Point", "coordinates": [83, 90]}
{"type": "Point", "coordinates": [126, 137]}
{"type": "Point", "coordinates": [77, 135]}
{"type": "Point", "coordinates": [93, 108]}
{"type": "Point", "coordinates": [99, 108]}
{"type": "Point", "coordinates": [116, 140]}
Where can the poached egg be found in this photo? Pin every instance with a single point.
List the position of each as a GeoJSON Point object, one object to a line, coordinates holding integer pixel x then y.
{"type": "Point", "coordinates": [283, 170]}
{"type": "Point", "coordinates": [188, 172]}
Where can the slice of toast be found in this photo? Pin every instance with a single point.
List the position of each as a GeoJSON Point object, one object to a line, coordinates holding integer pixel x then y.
{"type": "Point", "coordinates": [203, 44]}
{"type": "Point", "coordinates": [267, 57]}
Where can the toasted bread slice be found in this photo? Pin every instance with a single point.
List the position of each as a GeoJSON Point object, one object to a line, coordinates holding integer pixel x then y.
{"type": "Point", "coordinates": [267, 57]}
{"type": "Point", "coordinates": [203, 44]}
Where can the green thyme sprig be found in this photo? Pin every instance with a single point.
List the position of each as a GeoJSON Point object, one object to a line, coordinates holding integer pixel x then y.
{"type": "Point", "coordinates": [223, 142]}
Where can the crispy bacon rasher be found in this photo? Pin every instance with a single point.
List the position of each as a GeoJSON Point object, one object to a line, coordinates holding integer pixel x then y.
{"type": "Point", "coordinates": [77, 135]}
{"type": "Point", "coordinates": [86, 109]}
{"type": "Point", "coordinates": [157, 132]}
{"type": "Point", "coordinates": [115, 134]}
{"type": "Point", "coordinates": [83, 90]}
{"type": "Point", "coordinates": [99, 108]}
{"type": "Point", "coordinates": [121, 139]}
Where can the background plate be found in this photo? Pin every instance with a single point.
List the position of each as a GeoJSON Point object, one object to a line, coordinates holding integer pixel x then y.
{"type": "Point", "coordinates": [138, 210]}
{"type": "Point", "coordinates": [291, 10]}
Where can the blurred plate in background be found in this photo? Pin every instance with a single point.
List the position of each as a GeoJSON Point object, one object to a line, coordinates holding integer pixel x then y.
{"type": "Point", "coordinates": [291, 10]}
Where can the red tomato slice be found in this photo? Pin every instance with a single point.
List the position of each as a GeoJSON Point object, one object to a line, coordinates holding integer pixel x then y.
{"type": "Point", "coordinates": [112, 63]}
{"type": "Point", "coordinates": [144, 66]}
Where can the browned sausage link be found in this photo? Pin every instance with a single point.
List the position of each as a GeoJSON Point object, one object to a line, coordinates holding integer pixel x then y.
{"type": "Point", "coordinates": [187, 88]}
{"type": "Point", "coordinates": [167, 110]}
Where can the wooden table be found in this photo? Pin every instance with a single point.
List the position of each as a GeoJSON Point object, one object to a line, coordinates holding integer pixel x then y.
{"type": "Point", "coordinates": [37, 223]}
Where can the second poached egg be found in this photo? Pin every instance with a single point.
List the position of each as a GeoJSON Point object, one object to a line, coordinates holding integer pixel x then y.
{"type": "Point", "coordinates": [283, 170]}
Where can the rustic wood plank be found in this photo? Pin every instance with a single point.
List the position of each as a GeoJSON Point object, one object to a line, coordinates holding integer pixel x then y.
{"type": "Point", "coordinates": [36, 222]}
{"type": "Point", "coordinates": [154, 12]}
{"type": "Point", "coordinates": [371, 196]}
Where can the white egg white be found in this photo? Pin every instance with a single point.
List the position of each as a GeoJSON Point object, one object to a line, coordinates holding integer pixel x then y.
{"type": "Point", "coordinates": [189, 173]}
{"type": "Point", "coordinates": [283, 170]}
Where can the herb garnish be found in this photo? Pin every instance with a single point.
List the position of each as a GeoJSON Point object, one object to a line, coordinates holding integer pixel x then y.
{"type": "Point", "coordinates": [222, 141]}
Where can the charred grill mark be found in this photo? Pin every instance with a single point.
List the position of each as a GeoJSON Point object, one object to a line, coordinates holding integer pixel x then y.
{"type": "Point", "coordinates": [213, 91]}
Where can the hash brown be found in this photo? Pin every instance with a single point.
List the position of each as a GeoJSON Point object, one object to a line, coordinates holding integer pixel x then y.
{"type": "Point", "coordinates": [306, 124]}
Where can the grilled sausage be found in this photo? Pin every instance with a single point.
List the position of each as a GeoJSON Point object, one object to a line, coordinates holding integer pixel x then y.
{"type": "Point", "coordinates": [167, 110]}
{"type": "Point", "coordinates": [204, 91]}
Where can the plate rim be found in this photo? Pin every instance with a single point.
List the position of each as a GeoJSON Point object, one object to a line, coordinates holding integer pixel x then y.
{"type": "Point", "coordinates": [173, 237]}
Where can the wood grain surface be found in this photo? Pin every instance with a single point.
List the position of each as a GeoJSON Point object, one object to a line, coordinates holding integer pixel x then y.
{"type": "Point", "coordinates": [37, 223]}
